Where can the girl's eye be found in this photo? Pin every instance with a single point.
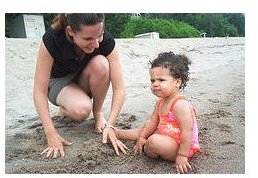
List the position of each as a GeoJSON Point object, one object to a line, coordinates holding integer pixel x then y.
{"type": "Point", "coordinates": [152, 81]}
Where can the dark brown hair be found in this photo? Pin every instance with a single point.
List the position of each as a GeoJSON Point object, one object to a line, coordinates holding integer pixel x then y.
{"type": "Point", "coordinates": [61, 21]}
{"type": "Point", "coordinates": [177, 65]}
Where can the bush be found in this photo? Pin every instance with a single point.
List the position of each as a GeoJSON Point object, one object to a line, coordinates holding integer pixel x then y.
{"type": "Point", "coordinates": [165, 28]}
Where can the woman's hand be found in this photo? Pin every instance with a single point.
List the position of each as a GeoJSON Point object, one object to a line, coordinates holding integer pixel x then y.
{"type": "Point", "coordinates": [139, 145]}
{"type": "Point", "coordinates": [55, 145]}
{"type": "Point", "coordinates": [109, 134]}
{"type": "Point", "coordinates": [182, 164]}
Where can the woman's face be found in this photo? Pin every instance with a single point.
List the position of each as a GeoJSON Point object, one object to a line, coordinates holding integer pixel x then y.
{"type": "Point", "coordinates": [89, 36]}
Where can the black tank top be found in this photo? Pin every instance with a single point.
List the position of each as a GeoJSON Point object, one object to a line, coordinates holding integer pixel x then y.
{"type": "Point", "coordinates": [63, 53]}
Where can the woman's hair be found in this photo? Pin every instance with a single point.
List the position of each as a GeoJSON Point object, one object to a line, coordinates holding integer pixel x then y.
{"type": "Point", "coordinates": [177, 65]}
{"type": "Point", "coordinates": [61, 21]}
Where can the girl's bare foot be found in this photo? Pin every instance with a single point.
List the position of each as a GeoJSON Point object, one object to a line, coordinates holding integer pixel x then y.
{"type": "Point", "coordinates": [99, 123]}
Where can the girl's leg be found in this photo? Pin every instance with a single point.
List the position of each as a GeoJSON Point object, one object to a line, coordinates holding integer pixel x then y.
{"type": "Point", "coordinates": [95, 81]}
{"type": "Point", "coordinates": [161, 146]}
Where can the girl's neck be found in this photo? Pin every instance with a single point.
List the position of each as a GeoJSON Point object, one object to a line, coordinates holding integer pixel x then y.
{"type": "Point", "coordinates": [171, 97]}
{"type": "Point", "coordinates": [168, 101]}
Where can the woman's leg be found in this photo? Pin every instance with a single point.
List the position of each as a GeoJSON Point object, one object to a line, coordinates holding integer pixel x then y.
{"type": "Point", "coordinates": [161, 146]}
{"type": "Point", "coordinates": [95, 81]}
{"type": "Point", "coordinates": [74, 102]}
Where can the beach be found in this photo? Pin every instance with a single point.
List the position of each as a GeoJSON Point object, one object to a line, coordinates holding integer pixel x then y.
{"type": "Point", "coordinates": [216, 89]}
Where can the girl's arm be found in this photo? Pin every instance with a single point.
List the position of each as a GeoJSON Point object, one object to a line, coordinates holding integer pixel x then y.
{"type": "Point", "coordinates": [151, 124]}
{"type": "Point", "coordinates": [148, 129]}
{"type": "Point", "coordinates": [183, 114]}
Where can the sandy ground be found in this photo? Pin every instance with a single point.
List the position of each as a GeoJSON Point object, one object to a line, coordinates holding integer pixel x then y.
{"type": "Point", "coordinates": [216, 89]}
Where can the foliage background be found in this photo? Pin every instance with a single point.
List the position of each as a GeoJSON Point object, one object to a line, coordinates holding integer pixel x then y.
{"type": "Point", "coordinates": [168, 25]}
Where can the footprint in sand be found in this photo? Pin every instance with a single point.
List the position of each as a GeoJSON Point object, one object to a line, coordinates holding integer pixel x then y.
{"type": "Point", "coordinates": [216, 114]}
{"type": "Point", "coordinates": [227, 143]}
{"type": "Point", "coordinates": [225, 128]}
{"type": "Point", "coordinates": [213, 100]}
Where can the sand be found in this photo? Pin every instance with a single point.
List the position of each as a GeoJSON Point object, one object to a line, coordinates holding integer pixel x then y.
{"type": "Point", "coordinates": [216, 89]}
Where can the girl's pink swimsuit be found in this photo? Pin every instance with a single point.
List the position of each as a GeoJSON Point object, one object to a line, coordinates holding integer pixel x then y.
{"type": "Point", "coordinates": [169, 125]}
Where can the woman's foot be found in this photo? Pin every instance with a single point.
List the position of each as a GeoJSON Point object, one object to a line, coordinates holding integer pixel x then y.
{"type": "Point", "coordinates": [62, 112]}
{"type": "Point", "coordinates": [99, 123]}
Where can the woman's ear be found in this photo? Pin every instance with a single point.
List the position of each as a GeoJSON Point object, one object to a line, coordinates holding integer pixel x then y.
{"type": "Point", "coordinates": [69, 31]}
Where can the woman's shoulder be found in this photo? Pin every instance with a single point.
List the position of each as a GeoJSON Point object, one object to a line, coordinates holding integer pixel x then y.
{"type": "Point", "coordinates": [108, 43]}
{"type": "Point", "coordinates": [55, 42]}
{"type": "Point", "coordinates": [108, 35]}
{"type": "Point", "coordinates": [53, 36]}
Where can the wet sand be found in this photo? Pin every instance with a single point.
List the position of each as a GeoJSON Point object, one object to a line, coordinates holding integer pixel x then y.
{"type": "Point", "coordinates": [216, 88]}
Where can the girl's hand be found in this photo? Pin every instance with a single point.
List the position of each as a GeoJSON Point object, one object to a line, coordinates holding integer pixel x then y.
{"type": "Point", "coordinates": [109, 134]}
{"type": "Point", "coordinates": [182, 164]}
{"type": "Point", "coordinates": [139, 145]}
{"type": "Point", "coordinates": [55, 146]}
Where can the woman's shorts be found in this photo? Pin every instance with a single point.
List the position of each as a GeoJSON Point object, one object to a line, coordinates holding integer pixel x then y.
{"type": "Point", "coordinates": [57, 84]}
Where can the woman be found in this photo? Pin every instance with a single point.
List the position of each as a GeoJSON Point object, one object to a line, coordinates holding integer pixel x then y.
{"type": "Point", "coordinates": [76, 62]}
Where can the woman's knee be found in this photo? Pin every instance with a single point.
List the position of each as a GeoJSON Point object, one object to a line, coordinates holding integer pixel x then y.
{"type": "Point", "coordinates": [98, 66]}
{"type": "Point", "coordinates": [81, 110]}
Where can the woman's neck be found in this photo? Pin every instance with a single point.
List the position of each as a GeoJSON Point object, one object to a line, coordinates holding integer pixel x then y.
{"type": "Point", "coordinates": [79, 52]}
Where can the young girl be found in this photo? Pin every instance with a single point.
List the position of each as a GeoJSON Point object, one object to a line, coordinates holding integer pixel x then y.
{"type": "Point", "coordinates": [171, 132]}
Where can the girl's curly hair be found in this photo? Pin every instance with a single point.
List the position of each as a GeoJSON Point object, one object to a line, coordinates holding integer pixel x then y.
{"type": "Point", "coordinates": [177, 65]}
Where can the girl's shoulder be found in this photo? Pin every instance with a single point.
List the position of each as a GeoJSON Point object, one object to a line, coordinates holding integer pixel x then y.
{"type": "Point", "coordinates": [182, 106]}
{"type": "Point", "coordinates": [182, 103]}
{"type": "Point", "coordinates": [179, 100]}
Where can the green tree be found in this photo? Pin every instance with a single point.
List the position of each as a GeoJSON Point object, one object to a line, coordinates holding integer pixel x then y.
{"type": "Point", "coordinates": [9, 17]}
{"type": "Point", "coordinates": [165, 28]}
{"type": "Point", "coordinates": [215, 24]}
{"type": "Point", "coordinates": [48, 19]}
{"type": "Point", "coordinates": [114, 23]}
{"type": "Point", "coordinates": [238, 20]}
{"type": "Point", "coordinates": [121, 24]}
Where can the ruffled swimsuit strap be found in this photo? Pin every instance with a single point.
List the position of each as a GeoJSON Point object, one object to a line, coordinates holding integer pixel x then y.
{"type": "Point", "coordinates": [158, 106]}
{"type": "Point", "coordinates": [174, 102]}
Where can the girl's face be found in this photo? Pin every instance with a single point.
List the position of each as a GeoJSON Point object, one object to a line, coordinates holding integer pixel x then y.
{"type": "Point", "coordinates": [163, 85]}
{"type": "Point", "coordinates": [89, 36]}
